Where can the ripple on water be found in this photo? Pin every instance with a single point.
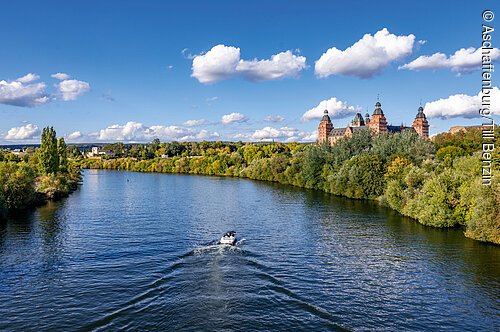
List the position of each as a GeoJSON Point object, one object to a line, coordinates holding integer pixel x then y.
{"type": "Point", "coordinates": [142, 254]}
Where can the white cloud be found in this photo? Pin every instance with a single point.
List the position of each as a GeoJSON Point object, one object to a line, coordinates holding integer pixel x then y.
{"type": "Point", "coordinates": [27, 131]}
{"type": "Point", "coordinates": [462, 105]}
{"type": "Point", "coordinates": [195, 123]}
{"type": "Point", "coordinates": [233, 117]}
{"type": "Point", "coordinates": [74, 135]}
{"type": "Point", "coordinates": [217, 64]}
{"type": "Point", "coordinates": [186, 54]}
{"type": "Point", "coordinates": [137, 132]}
{"type": "Point", "coordinates": [281, 65]}
{"type": "Point", "coordinates": [367, 57]}
{"type": "Point", "coordinates": [25, 92]}
{"type": "Point", "coordinates": [28, 78]}
{"type": "Point", "coordinates": [336, 109]}
{"type": "Point", "coordinates": [129, 132]}
{"type": "Point", "coordinates": [462, 61]}
{"type": "Point", "coordinates": [71, 89]}
{"type": "Point", "coordinates": [274, 118]}
{"type": "Point", "coordinates": [282, 134]}
{"type": "Point", "coordinates": [212, 99]}
{"type": "Point", "coordinates": [223, 62]}
{"type": "Point", "coordinates": [60, 76]}
{"type": "Point", "coordinates": [22, 92]}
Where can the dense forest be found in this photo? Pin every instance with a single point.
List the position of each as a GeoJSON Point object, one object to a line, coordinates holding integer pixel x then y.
{"type": "Point", "coordinates": [37, 175]}
{"type": "Point", "coordinates": [437, 183]}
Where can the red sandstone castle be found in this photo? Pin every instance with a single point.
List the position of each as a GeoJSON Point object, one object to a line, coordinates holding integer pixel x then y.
{"type": "Point", "coordinates": [377, 124]}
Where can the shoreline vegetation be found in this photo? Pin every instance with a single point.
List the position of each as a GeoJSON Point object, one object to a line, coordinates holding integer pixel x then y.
{"type": "Point", "coordinates": [38, 175]}
{"type": "Point", "coordinates": [436, 183]}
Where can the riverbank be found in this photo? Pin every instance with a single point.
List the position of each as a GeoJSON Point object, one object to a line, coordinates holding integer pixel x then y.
{"type": "Point", "coordinates": [22, 188]}
{"type": "Point", "coordinates": [408, 179]}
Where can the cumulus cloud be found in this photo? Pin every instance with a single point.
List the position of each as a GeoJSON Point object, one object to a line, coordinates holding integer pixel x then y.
{"type": "Point", "coordinates": [336, 109]}
{"type": "Point", "coordinates": [136, 132]}
{"type": "Point", "coordinates": [274, 118]}
{"type": "Point", "coordinates": [367, 57]}
{"type": "Point", "coordinates": [281, 65]}
{"type": "Point", "coordinates": [223, 62]}
{"type": "Point", "coordinates": [282, 134]}
{"type": "Point", "coordinates": [71, 89]}
{"type": "Point", "coordinates": [462, 105]}
{"type": "Point", "coordinates": [128, 132]}
{"type": "Point", "coordinates": [27, 131]}
{"type": "Point", "coordinates": [60, 76]}
{"type": "Point", "coordinates": [233, 117]}
{"type": "Point", "coordinates": [462, 61]}
{"type": "Point", "coordinates": [75, 135]}
{"type": "Point", "coordinates": [26, 92]}
{"type": "Point", "coordinates": [195, 123]}
{"type": "Point", "coordinates": [217, 64]}
{"type": "Point", "coordinates": [23, 92]}
{"type": "Point", "coordinates": [28, 78]}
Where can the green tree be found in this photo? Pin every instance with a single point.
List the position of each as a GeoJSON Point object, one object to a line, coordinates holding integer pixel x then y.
{"type": "Point", "coordinates": [63, 155]}
{"type": "Point", "coordinates": [48, 154]}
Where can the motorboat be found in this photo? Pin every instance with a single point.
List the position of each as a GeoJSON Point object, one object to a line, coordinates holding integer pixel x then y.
{"type": "Point", "coordinates": [228, 238]}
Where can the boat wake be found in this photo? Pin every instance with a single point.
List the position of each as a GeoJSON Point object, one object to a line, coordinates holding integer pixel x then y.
{"type": "Point", "coordinates": [217, 247]}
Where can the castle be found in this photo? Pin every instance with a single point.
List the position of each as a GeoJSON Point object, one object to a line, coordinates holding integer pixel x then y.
{"type": "Point", "coordinates": [377, 124]}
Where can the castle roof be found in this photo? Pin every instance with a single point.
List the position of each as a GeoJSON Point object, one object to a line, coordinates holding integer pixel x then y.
{"type": "Point", "coordinates": [420, 114]}
{"type": "Point", "coordinates": [358, 118]}
{"type": "Point", "coordinates": [378, 109]}
{"type": "Point", "coordinates": [326, 117]}
{"type": "Point", "coordinates": [337, 132]}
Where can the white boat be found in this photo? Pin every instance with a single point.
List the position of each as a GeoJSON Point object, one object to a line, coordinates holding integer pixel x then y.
{"type": "Point", "coordinates": [228, 238]}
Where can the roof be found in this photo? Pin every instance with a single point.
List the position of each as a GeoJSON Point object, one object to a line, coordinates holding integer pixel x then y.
{"type": "Point", "coordinates": [358, 118]}
{"type": "Point", "coordinates": [354, 129]}
{"type": "Point", "coordinates": [326, 117]}
{"type": "Point", "coordinates": [420, 114]}
{"type": "Point", "coordinates": [337, 132]}
{"type": "Point", "coordinates": [378, 109]}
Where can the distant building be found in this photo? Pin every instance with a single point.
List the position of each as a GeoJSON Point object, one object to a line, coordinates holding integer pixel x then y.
{"type": "Point", "coordinates": [17, 152]}
{"type": "Point", "coordinates": [96, 152]}
{"type": "Point", "coordinates": [377, 125]}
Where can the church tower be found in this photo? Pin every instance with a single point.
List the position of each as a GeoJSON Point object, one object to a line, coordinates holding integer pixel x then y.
{"type": "Point", "coordinates": [420, 124]}
{"type": "Point", "coordinates": [378, 122]}
{"type": "Point", "coordinates": [325, 126]}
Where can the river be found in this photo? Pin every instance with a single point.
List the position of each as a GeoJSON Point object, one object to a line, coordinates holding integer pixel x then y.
{"type": "Point", "coordinates": [135, 251]}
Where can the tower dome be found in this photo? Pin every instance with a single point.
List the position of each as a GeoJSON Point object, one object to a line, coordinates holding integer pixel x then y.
{"type": "Point", "coordinates": [378, 109]}
{"type": "Point", "coordinates": [325, 116]}
{"type": "Point", "coordinates": [420, 114]}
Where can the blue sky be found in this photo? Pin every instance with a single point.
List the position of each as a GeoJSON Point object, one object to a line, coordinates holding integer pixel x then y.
{"type": "Point", "coordinates": [135, 70]}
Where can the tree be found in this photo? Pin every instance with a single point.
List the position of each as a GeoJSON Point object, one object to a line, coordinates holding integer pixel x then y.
{"type": "Point", "coordinates": [48, 153]}
{"type": "Point", "coordinates": [63, 155]}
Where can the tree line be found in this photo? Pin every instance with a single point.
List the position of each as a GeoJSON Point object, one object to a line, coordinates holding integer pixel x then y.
{"type": "Point", "coordinates": [438, 184]}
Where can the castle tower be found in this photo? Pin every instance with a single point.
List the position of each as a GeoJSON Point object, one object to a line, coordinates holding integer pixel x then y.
{"type": "Point", "coordinates": [325, 126]}
{"type": "Point", "coordinates": [378, 122]}
{"type": "Point", "coordinates": [420, 124]}
{"type": "Point", "coordinates": [358, 121]}
{"type": "Point", "coordinates": [367, 119]}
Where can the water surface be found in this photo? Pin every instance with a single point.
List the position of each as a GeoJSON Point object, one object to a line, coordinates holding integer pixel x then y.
{"type": "Point", "coordinates": [130, 251]}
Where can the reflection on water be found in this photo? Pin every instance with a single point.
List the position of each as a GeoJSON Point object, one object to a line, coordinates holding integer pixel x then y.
{"type": "Point", "coordinates": [137, 251]}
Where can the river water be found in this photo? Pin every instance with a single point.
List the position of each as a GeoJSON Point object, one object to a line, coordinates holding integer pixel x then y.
{"type": "Point", "coordinates": [134, 251]}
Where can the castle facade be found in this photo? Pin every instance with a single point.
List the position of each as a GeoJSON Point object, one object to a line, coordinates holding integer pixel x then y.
{"type": "Point", "coordinates": [377, 124]}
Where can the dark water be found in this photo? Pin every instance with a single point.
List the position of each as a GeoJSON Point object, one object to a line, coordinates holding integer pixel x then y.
{"type": "Point", "coordinates": [131, 251]}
